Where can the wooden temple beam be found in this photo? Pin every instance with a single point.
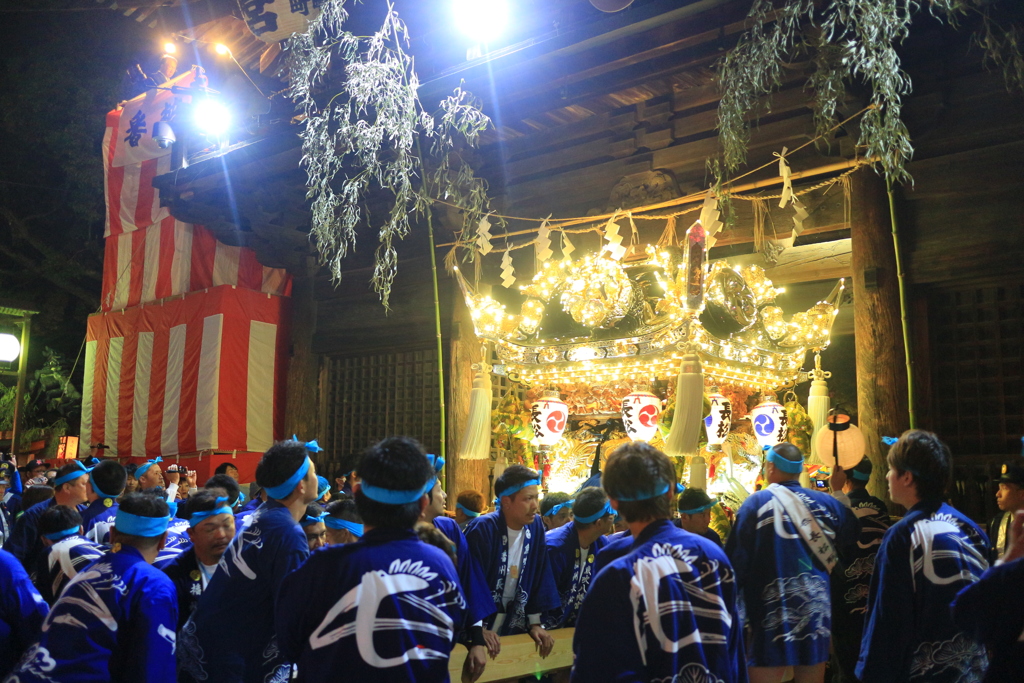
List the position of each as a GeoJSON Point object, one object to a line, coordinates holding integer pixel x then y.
{"type": "Point", "coordinates": [807, 263]}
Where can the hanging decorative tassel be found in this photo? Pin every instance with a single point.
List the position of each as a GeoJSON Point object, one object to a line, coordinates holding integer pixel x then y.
{"type": "Point", "coordinates": [508, 276]}
{"type": "Point", "coordinates": [760, 208]}
{"type": "Point", "coordinates": [688, 421]}
{"type": "Point", "coordinates": [787, 183]}
{"type": "Point", "coordinates": [668, 235]}
{"type": "Point", "coordinates": [483, 236]}
{"type": "Point", "coordinates": [567, 248]}
{"type": "Point", "coordinates": [476, 439]}
{"type": "Point", "coordinates": [542, 245]}
{"type": "Point", "coordinates": [818, 405]}
{"type": "Point", "coordinates": [634, 240]}
{"type": "Point", "coordinates": [451, 260]}
{"type": "Point", "coordinates": [614, 240]}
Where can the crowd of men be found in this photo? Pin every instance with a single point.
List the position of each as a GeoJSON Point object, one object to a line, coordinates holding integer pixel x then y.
{"type": "Point", "coordinates": [140, 575]}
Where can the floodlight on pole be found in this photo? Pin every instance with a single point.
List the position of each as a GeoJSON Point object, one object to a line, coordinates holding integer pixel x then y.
{"type": "Point", "coordinates": [170, 48]}
{"type": "Point", "coordinates": [222, 49]}
{"type": "Point", "coordinates": [10, 348]}
{"type": "Point", "coordinates": [212, 117]}
{"type": "Point", "coordinates": [481, 20]}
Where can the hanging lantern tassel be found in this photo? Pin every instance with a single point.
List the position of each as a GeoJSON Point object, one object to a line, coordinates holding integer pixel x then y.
{"type": "Point", "coordinates": [818, 404]}
{"type": "Point", "coordinates": [683, 437]}
{"type": "Point", "coordinates": [508, 273]}
{"type": "Point", "coordinates": [476, 439]}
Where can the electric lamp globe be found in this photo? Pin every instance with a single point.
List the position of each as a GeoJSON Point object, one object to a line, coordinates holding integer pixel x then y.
{"type": "Point", "coordinates": [10, 348]}
{"type": "Point", "coordinates": [480, 20]}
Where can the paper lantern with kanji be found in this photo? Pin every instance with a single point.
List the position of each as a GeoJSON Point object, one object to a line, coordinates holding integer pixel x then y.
{"type": "Point", "coordinates": [770, 422]}
{"type": "Point", "coordinates": [840, 440]}
{"type": "Point", "coordinates": [640, 412]}
{"type": "Point", "coordinates": [549, 416]}
{"type": "Point", "coordinates": [718, 421]}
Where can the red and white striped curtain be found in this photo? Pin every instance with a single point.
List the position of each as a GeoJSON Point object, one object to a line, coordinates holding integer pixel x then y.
{"type": "Point", "coordinates": [202, 372]}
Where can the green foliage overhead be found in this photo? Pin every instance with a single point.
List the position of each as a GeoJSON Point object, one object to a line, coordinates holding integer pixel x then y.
{"type": "Point", "coordinates": [851, 41]}
{"type": "Point", "coordinates": [364, 136]}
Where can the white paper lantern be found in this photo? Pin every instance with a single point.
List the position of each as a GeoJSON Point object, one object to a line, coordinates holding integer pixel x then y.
{"type": "Point", "coordinates": [840, 440]}
{"type": "Point", "coordinates": [770, 422]}
{"type": "Point", "coordinates": [549, 416]}
{"type": "Point", "coordinates": [718, 421]}
{"type": "Point", "coordinates": [640, 413]}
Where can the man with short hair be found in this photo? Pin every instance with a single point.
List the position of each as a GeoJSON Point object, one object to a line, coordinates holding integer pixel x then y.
{"type": "Point", "coordinates": [248, 578]}
{"type": "Point", "coordinates": [211, 530]}
{"type": "Point", "coordinates": [71, 489]}
{"type": "Point", "coordinates": [571, 551]}
{"type": "Point", "coordinates": [228, 469]}
{"type": "Point", "coordinates": [694, 507]}
{"type": "Point", "coordinates": [925, 559]}
{"type": "Point", "coordinates": [783, 547]}
{"type": "Point", "coordinates": [31, 470]}
{"type": "Point", "coordinates": [150, 476]}
{"type": "Point", "coordinates": [132, 484]}
{"type": "Point", "coordinates": [228, 487]}
{"type": "Point", "coordinates": [479, 604]}
{"type": "Point", "coordinates": [106, 484]}
{"type": "Point", "coordinates": [313, 526]}
{"type": "Point", "coordinates": [1010, 499]}
{"type": "Point", "coordinates": [66, 551]}
{"type": "Point", "coordinates": [468, 506]}
{"type": "Point", "coordinates": [344, 525]}
{"type": "Point", "coordinates": [386, 608]}
{"type": "Point", "coordinates": [22, 610]}
{"type": "Point", "coordinates": [324, 490]}
{"type": "Point", "coordinates": [851, 579]}
{"type": "Point", "coordinates": [665, 611]}
{"type": "Point", "coordinates": [556, 510]}
{"type": "Point", "coordinates": [508, 544]}
{"type": "Point", "coordinates": [115, 621]}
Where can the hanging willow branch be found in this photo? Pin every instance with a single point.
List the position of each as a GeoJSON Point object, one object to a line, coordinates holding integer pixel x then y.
{"type": "Point", "coordinates": [848, 41]}
{"type": "Point", "coordinates": [363, 139]}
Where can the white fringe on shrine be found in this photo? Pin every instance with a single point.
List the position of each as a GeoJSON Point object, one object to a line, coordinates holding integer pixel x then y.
{"type": "Point", "coordinates": [476, 440]}
{"type": "Point", "coordinates": [687, 422]}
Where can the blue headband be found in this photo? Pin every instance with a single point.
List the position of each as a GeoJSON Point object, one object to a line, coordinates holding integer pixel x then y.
{"type": "Point", "coordinates": [282, 491]}
{"type": "Point", "coordinates": [395, 497]}
{"type": "Point", "coordinates": [860, 476]}
{"type": "Point", "coordinates": [218, 509]}
{"type": "Point", "coordinates": [466, 511]}
{"type": "Point", "coordinates": [679, 489]}
{"type": "Point", "coordinates": [702, 508]}
{"type": "Point", "coordinates": [889, 440]}
{"type": "Point", "coordinates": [137, 525]}
{"type": "Point", "coordinates": [58, 535]}
{"type": "Point", "coordinates": [96, 488]}
{"type": "Point", "coordinates": [338, 523]}
{"type": "Point", "coordinates": [310, 521]}
{"type": "Point", "coordinates": [71, 475]}
{"type": "Point", "coordinates": [322, 487]}
{"type": "Point", "coordinates": [513, 490]}
{"type": "Point", "coordinates": [784, 464]}
{"type": "Point", "coordinates": [558, 508]}
{"type": "Point", "coordinates": [606, 510]}
{"type": "Point", "coordinates": [311, 446]}
{"type": "Point", "coordinates": [436, 461]}
{"type": "Point", "coordinates": [141, 469]}
{"type": "Point", "coordinates": [660, 489]}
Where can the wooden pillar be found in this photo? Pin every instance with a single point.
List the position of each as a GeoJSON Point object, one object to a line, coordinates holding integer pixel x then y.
{"type": "Point", "coordinates": [881, 367]}
{"type": "Point", "coordinates": [302, 409]}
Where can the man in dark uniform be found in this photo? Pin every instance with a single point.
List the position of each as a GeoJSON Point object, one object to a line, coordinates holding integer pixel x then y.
{"type": "Point", "coordinates": [694, 507]}
{"type": "Point", "coordinates": [1009, 498]}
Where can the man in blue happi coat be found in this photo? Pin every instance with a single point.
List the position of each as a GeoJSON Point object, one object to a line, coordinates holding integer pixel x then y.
{"type": "Point", "coordinates": [211, 530]}
{"type": "Point", "coordinates": [66, 552]}
{"type": "Point", "coordinates": [783, 546]}
{"type": "Point", "coordinates": [992, 610]}
{"type": "Point", "coordinates": [571, 551]}
{"type": "Point", "coordinates": [106, 484]}
{"type": "Point", "coordinates": [214, 646]}
{"type": "Point", "coordinates": [695, 507]}
{"type": "Point", "coordinates": [479, 605]}
{"type": "Point", "coordinates": [313, 526]}
{"type": "Point", "coordinates": [556, 509]}
{"type": "Point", "coordinates": [22, 610]}
{"type": "Point", "coordinates": [71, 489]}
{"type": "Point", "coordinates": [665, 611]}
{"type": "Point", "coordinates": [387, 607]}
{"type": "Point", "coordinates": [851, 579]}
{"type": "Point", "coordinates": [925, 559]}
{"type": "Point", "coordinates": [509, 546]}
{"type": "Point", "coordinates": [344, 525]}
{"type": "Point", "coordinates": [115, 621]}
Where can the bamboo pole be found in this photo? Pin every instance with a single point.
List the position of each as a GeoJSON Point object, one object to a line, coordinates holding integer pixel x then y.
{"type": "Point", "coordinates": [437, 328]}
{"type": "Point", "coordinates": [901, 280]}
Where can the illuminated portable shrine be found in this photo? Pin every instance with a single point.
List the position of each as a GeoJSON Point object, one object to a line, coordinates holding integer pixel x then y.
{"type": "Point", "coordinates": [627, 322]}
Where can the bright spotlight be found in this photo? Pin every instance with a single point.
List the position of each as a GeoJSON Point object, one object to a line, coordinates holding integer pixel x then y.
{"type": "Point", "coordinates": [10, 348]}
{"type": "Point", "coordinates": [222, 49]}
{"type": "Point", "coordinates": [170, 48]}
{"type": "Point", "coordinates": [480, 20]}
{"type": "Point", "coordinates": [212, 117]}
